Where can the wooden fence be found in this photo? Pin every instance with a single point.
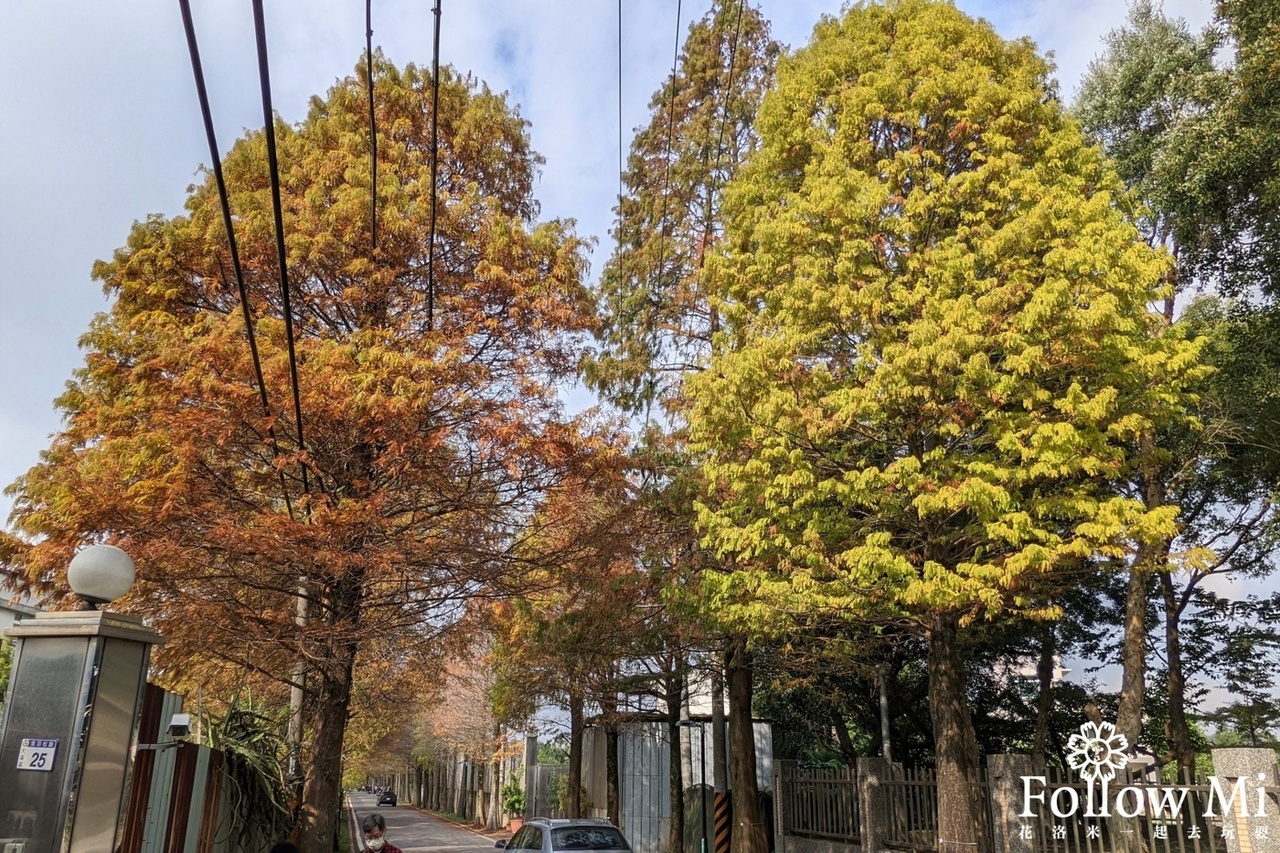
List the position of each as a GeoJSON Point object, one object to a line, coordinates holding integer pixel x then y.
{"type": "Point", "coordinates": [913, 805]}
{"type": "Point", "coordinates": [820, 803]}
{"type": "Point", "coordinates": [179, 796]}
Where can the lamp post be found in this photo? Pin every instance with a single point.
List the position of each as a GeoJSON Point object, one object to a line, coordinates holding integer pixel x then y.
{"type": "Point", "coordinates": [702, 772]}
{"type": "Point", "coordinates": [71, 715]}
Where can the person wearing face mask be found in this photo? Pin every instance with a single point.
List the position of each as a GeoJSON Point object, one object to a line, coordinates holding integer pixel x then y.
{"type": "Point", "coordinates": [375, 835]}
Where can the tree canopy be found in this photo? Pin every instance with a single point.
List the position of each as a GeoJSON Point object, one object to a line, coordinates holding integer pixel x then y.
{"type": "Point", "coordinates": [427, 440]}
{"type": "Point", "coordinates": [939, 359]}
{"type": "Point", "coordinates": [920, 399]}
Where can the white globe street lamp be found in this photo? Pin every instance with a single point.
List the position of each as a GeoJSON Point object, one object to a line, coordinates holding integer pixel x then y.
{"type": "Point", "coordinates": [100, 574]}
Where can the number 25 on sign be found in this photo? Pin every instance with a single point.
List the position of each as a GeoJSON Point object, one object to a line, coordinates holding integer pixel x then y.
{"type": "Point", "coordinates": [37, 753]}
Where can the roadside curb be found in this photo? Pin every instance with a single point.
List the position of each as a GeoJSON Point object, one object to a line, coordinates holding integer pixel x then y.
{"type": "Point", "coordinates": [355, 834]}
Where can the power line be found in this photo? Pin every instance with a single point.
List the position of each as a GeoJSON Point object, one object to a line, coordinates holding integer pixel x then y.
{"type": "Point", "coordinates": [728, 92]}
{"type": "Point", "coordinates": [621, 161]}
{"type": "Point", "coordinates": [273, 167]}
{"type": "Point", "coordinates": [373, 122]}
{"type": "Point", "coordinates": [215, 158]}
{"type": "Point", "coordinates": [715, 168]}
{"type": "Point", "coordinates": [435, 167]}
{"type": "Point", "coordinates": [671, 132]}
{"type": "Point", "coordinates": [294, 737]}
{"type": "Point", "coordinates": [666, 187]}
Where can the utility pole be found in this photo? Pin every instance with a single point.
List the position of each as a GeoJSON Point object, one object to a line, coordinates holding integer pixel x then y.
{"type": "Point", "coordinates": [884, 716]}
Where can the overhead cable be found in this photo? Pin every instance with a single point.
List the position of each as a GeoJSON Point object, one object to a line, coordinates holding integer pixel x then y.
{"type": "Point", "coordinates": [215, 158]}
{"type": "Point", "coordinates": [273, 167]}
{"type": "Point", "coordinates": [728, 93]}
{"type": "Point", "coordinates": [373, 123]}
{"type": "Point", "coordinates": [655, 299]}
{"type": "Point", "coordinates": [621, 161]}
{"type": "Point", "coordinates": [708, 222]}
{"type": "Point", "coordinates": [671, 132]}
{"type": "Point", "coordinates": [435, 169]}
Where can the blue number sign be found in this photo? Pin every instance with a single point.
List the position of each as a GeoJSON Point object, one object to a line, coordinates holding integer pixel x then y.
{"type": "Point", "coordinates": [37, 753]}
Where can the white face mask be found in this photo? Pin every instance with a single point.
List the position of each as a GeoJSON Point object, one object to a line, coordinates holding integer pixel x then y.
{"type": "Point", "coordinates": [375, 843]}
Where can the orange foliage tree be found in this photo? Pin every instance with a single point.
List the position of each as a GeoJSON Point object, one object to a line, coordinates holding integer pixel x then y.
{"type": "Point", "coordinates": [429, 438]}
{"type": "Point", "coordinates": [574, 633]}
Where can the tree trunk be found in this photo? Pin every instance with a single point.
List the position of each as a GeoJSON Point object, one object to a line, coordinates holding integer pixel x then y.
{"type": "Point", "coordinates": [1133, 654]}
{"type": "Point", "coordinates": [886, 743]}
{"type": "Point", "coordinates": [1184, 751]}
{"type": "Point", "coordinates": [609, 722]}
{"type": "Point", "coordinates": [573, 800]}
{"type": "Point", "coordinates": [1044, 700]}
{"type": "Point", "coordinates": [614, 805]}
{"type": "Point", "coordinates": [675, 776]}
{"type": "Point", "coordinates": [322, 788]}
{"type": "Point", "coordinates": [960, 828]}
{"type": "Point", "coordinates": [496, 779]}
{"type": "Point", "coordinates": [748, 835]}
{"type": "Point", "coordinates": [459, 782]}
{"type": "Point", "coordinates": [848, 751]}
{"type": "Point", "coordinates": [1147, 560]}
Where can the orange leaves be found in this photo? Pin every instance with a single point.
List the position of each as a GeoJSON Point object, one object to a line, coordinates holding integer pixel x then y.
{"type": "Point", "coordinates": [427, 451]}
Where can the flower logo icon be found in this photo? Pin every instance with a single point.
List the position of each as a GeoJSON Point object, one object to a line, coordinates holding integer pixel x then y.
{"type": "Point", "coordinates": [1098, 751]}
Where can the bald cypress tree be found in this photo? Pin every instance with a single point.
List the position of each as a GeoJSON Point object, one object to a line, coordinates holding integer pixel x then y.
{"type": "Point", "coordinates": [938, 367]}
{"type": "Point", "coordinates": [657, 320]}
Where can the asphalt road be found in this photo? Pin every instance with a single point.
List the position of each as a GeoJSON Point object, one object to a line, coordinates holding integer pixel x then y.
{"type": "Point", "coordinates": [414, 831]}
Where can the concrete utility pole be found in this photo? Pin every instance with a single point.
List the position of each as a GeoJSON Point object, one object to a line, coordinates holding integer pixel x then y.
{"type": "Point", "coordinates": [293, 734]}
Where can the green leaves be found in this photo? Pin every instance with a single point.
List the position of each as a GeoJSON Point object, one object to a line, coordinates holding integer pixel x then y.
{"type": "Point", "coordinates": [938, 352]}
{"type": "Point", "coordinates": [656, 320]}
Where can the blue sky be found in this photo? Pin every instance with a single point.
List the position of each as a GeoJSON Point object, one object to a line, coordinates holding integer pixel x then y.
{"type": "Point", "coordinates": [101, 126]}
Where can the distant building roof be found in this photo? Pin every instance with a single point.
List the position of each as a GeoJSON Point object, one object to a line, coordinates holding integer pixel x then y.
{"type": "Point", "coordinates": [15, 606]}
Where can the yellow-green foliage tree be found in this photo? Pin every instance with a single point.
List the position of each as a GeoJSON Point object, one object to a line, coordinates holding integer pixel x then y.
{"type": "Point", "coordinates": [939, 359]}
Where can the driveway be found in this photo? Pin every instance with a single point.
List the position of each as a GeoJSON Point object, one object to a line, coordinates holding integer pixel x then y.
{"type": "Point", "coordinates": [415, 831]}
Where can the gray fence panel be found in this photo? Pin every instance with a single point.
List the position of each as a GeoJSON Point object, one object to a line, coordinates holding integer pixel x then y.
{"type": "Point", "coordinates": [545, 779]}
{"type": "Point", "coordinates": [643, 757]}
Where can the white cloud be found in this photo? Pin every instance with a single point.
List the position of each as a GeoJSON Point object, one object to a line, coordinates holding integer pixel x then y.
{"type": "Point", "coordinates": [102, 125]}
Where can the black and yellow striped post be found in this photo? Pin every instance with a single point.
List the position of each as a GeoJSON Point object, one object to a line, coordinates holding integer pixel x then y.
{"type": "Point", "coordinates": [723, 822]}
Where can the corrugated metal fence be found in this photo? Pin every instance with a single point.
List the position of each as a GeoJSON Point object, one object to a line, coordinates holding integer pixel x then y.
{"type": "Point", "coordinates": [178, 799]}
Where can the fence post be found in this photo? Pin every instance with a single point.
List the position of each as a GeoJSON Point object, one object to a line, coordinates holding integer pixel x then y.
{"type": "Point", "coordinates": [1252, 819]}
{"type": "Point", "coordinates": [1004, 788]}
{"type": "Point", "coordinates": [874, 799]}
{"type": "Point", "coordinates": [783, 776]}
{"type": "Point", "coordinates": [530, 774]}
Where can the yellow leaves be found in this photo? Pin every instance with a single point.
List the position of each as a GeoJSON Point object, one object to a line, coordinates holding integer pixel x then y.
{"type": "Point", "coordinates": [1195, 560]}
{"type": "Point", "coordinates": [941, 349]}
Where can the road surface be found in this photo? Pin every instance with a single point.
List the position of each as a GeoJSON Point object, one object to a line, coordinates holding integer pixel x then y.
{"type": "Point", "coordinates": [414, 831]}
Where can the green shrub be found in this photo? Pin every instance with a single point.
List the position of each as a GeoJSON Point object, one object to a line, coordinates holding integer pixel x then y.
{"type": "Point", "coordinates": [560, 796]}
{"type": "Point", "coordinates": [513, 799]}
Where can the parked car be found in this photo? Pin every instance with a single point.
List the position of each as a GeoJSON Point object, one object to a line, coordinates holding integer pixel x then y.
{"type": "Point", "coordinates": [387, 798]}
{"type": "Point", "coordinates": [553, 835]}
